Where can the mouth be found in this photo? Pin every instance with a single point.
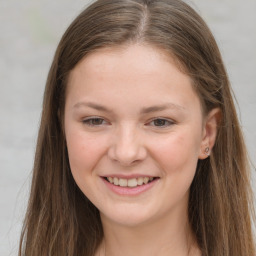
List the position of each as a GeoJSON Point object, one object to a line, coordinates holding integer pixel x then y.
{"type": "Point", "coordinates": [130, 183]}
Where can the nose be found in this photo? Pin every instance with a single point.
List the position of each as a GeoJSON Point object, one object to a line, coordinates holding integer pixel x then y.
{"type": "Point", "coordinates": [127, 147]}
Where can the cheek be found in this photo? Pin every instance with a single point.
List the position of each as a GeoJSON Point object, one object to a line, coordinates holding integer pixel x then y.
{"type": "Point", "coordinates": [177, 159]}
{"type": "Point", "coordinates": [177, 153]}
{"type": "Point", "coordinates": [84, 152]}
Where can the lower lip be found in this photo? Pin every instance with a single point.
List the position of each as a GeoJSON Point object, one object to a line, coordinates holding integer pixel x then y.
{"type": "Point", "coordinates": [130, 191]}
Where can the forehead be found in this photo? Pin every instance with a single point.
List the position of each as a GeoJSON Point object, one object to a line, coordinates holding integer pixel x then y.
{"type": "Point", "coordinates": [133, 59]}
{"type": "Point", "coordinates": [134, 71]}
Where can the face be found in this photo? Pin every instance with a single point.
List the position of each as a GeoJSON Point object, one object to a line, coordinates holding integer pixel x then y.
{"type": "Point", "coordinates": [134, 130]}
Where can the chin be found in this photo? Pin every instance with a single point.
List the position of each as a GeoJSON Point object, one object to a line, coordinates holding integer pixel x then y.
{"type": "Point", "coordinates": [126, 217]}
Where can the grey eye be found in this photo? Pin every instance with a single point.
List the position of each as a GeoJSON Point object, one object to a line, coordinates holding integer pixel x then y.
{"type": "Point", "coordinates": [160, 122]}
{"type": "Point", "coordinates": [94, 121]}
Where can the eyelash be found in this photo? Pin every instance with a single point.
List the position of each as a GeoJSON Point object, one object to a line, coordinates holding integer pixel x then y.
{"type": "Point", "coordinates": [170, 122]}
{"type": "Point", "coordinates": [90, 121]}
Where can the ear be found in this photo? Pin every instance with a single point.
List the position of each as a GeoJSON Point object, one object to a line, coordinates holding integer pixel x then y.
{"type": "Point", "coordinates": [210, 129]}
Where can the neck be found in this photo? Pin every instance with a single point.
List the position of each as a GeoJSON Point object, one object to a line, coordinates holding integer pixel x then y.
{"type": "Point", "coordinates": [166, 236]}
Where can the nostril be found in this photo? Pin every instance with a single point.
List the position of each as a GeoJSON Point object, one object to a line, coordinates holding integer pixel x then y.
{"type": "Point", "coordinates": [127, 151]}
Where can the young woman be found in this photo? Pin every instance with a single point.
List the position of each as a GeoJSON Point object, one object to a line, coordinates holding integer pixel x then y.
{"type": "Point", "coordinates": [139, 150]}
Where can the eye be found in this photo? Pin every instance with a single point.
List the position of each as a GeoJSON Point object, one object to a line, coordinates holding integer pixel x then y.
{"type": "Point", "coordinates": [160, 122]}
{"type": "Point", "coordinates": [95, 121]}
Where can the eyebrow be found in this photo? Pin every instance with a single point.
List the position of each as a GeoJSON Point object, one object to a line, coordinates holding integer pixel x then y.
{"type": "Point", "coordinates": [161, 108]}
{"type": "Point", "coordinates": [144, 110]}
{"type": "Point", "coordinates": [92, 105]}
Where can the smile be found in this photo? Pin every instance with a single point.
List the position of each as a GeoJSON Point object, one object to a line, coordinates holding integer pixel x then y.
{"type": "Point", "coordinates": [134, 182]}
{"type": "Point", "coordinates": [132, 186]}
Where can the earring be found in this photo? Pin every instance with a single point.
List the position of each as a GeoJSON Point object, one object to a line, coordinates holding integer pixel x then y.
{"type": "Point", "coordinates": [207, 151]}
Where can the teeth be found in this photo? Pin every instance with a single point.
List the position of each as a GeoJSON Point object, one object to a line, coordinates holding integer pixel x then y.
{"type": "Point", "coordinates": [110, 179]}
{"type": "Point", "coordinates": [140, 181]}
{"type": "Point", "coordinates": [132, 183]}
{"type": "Point", "coordinates": [116, 181]}
{"type": "Point", "coordinates": [123, 182]}
{"type": "Point", "coordinates": [129, 182]}
{"type": "Point", "coordinates": [145, 180]}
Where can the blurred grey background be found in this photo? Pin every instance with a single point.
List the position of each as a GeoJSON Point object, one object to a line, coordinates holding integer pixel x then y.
{"type": "Point", "coordinates": [29, 33]}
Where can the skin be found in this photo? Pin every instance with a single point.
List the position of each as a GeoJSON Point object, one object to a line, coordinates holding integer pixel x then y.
{"type": "Point", "coordinates": [125, 140]}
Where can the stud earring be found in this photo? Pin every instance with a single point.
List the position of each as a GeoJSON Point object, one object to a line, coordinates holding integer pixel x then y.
{"type": "Point", "coordinates": [207, 151]}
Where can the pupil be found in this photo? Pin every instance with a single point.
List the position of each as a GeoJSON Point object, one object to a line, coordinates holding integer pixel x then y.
{"type": "Point", "coordinates": [96, 121]}
{"type": "Point", "coordinates": [159, 122]}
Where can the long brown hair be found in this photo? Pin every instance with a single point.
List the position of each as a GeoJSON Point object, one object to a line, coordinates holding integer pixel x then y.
{"type": "Point", "coordinates": [60, 220]}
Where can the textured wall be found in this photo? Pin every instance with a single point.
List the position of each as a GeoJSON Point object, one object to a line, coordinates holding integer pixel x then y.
{"type": "Point", "coordinates": [30, 31]}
